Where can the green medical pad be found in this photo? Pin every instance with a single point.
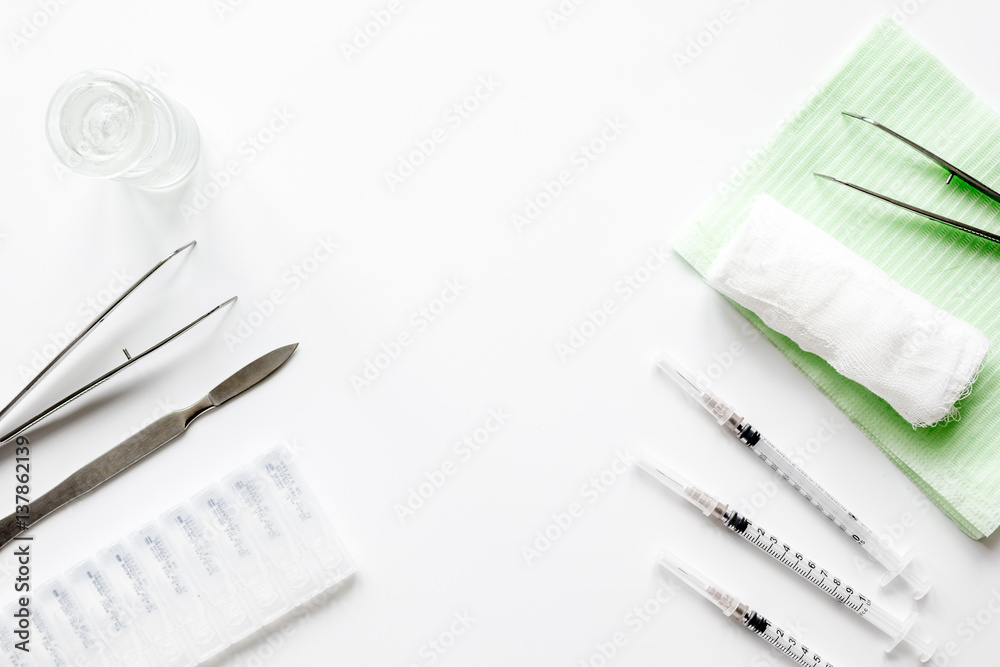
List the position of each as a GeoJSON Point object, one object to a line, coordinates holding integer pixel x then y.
{"type": "Point", "coordinates": [894, 80]}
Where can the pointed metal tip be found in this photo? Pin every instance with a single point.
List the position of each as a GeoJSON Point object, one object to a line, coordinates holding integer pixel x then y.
{"type": "Point", "coordinates": [282, 353]}
{"type": "Point", "coordinates": [55, 361]}
{"type": "Point", "coordinates": [222, 305]}
{"type": "Point", "coordinates": [859, 117]}
{"type": "Point", "coordinates": [251, 374]}
{"type": "Point", "coordinates": [828, 178]}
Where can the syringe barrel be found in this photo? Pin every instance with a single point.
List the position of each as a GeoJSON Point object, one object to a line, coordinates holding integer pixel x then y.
{"type": "Point", "coordinates": [892, 561]}
{"type": "Point", "coordinates": [771, 455]}
{"type": "Point", "coordinates": [812, 491]}
{"type": "Point", "coordinates": [817, 575]}
{"type": "Point", "coordinates": [783, 641]}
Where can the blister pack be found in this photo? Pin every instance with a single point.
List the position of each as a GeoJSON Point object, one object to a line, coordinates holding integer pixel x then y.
{"type": "Point", "coordinates": [206, 574]}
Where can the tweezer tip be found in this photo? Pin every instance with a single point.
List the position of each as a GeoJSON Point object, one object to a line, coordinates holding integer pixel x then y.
{"type": "Point", "coordinates": [829, 178]}
{"type": "Point", "coordinates": [859, 117]}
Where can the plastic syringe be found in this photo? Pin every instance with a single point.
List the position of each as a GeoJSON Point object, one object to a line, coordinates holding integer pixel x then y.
{"type": "Point", "coordinates": [895, 564]}
{"type": "Point", "coordinates": [818, 576]}
{"type": "Point", "coordinates": [750, 619]}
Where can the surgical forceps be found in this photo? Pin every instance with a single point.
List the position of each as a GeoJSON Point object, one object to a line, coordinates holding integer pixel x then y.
{"type": "Point", "coordinates": [952, 172]}
{"type": "Point", "coordinates": [130, 358]}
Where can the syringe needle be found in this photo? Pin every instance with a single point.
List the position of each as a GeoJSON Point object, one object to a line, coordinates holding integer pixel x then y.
{"type": "Point", "coordinates": [718, 409]}
{"type": "Point", "coordinates": [895, 564]}
{"type": "Point", "coordinates": [750, 619]}
{"type": "Point", "coordinates": [820, 577]}
{"type": "Point", "coordinates": [671, 369]}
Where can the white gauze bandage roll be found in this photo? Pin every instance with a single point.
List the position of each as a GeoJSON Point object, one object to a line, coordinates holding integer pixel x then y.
{"type": "Point", "coordinates": [808, 286]}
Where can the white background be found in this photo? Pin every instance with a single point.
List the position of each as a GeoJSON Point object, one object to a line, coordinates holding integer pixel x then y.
{"type": "Point", "coordinates": [62, 237]}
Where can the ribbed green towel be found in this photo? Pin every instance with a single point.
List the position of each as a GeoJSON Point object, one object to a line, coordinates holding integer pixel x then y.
{"type": "Point", "coordinates": [893, 79]}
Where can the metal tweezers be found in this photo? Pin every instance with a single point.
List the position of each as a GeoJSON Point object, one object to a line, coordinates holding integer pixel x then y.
{"type": "Point", "coordinates": [130, 358]}
{"type": "Point", "coordinates": [952, 172]}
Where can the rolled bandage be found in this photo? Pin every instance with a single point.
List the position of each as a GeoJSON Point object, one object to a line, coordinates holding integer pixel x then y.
{"type": "Point", "coordinates": [808, 286]}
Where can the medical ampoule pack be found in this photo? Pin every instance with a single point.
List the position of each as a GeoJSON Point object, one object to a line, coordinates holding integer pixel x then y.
{"type": "Point", "coordinates": [208, 573]}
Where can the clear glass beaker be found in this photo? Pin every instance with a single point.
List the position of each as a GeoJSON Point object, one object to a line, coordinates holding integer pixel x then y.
{"type": "Point", "coordinates": [103, 124]}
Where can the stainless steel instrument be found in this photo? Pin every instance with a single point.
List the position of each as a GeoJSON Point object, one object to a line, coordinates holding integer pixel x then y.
{"type": "Point", "coordinates": [142, 444]}
{"type": "Point", "coordinates": [130, 358]}
{"type": "Point", "coordinates": [952, 170]}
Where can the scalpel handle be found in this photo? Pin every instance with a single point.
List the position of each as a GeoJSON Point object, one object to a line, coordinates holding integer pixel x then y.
{"type": "Point", "coordinates": [106, 466]}
{"type": "Point", "coordinates": [9, 529]}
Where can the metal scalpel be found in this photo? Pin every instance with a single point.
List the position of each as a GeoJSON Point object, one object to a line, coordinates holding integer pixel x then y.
{"type": "Point", "coordinates": [137, 447]}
